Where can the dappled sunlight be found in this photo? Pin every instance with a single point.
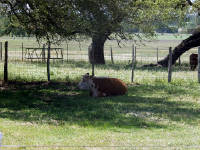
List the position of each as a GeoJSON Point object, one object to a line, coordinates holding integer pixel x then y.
{"type": "Point", "coordinates": [145, 106]}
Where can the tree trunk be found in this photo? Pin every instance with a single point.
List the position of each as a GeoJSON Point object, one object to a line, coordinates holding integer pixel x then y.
{"type": "Point", "coordinates": [185, 45]}
{"type": "Point", "coordinates": [96, 52]}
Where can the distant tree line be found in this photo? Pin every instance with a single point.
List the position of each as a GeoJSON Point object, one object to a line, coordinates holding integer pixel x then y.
{"type": "Point", "coordinates": [190, 23]}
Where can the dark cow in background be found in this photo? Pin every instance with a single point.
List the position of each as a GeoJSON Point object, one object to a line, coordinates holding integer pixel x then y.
{"type": "Point", "coordinates": [102, 86]}
{"type": "Point", "coordinates": [193, 61]}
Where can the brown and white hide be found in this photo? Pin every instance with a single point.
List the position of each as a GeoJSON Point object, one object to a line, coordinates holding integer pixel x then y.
{"type": "Point", "coordinates": [102, 86]}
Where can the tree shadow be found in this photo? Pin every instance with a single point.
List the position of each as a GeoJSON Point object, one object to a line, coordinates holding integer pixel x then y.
{"type": "Point", "coordinates": [61, 103]}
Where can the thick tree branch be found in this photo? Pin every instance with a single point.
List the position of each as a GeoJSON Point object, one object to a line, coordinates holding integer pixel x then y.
{"type": "Point", "coordinates": [189, 2]}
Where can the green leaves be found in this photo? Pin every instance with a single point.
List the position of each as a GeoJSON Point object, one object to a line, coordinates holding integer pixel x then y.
{"type": "Point", "coordinates": [58, 19]}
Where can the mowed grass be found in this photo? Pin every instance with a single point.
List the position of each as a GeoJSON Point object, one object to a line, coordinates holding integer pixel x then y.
{"type": "Point", "coordinates": [153, 112]}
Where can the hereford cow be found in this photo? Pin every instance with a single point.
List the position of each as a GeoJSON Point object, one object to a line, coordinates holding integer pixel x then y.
{"type": "Point", "coordinates": [193, 61]}
{"type": "Point", "coordinates": [102, 86]}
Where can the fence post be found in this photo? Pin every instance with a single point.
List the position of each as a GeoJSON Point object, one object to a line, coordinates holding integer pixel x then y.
{"type": "Point", "coordinates": [135, 53]}
{"type": "Point", "coordinates": [43, 53]}
{"type": "Point", "coordinates": [157, 55]}
{"type": "Point", "coordinates": [62, 54]}
{"type": "Point", "coordinates": [111, 55]}
{"type": "Point", "coordinates": [1, 49]}
{"type": "Point", "coordinates": [6, 63]}
{"type": "Point", "coordinates": [170, 65]}
{"type": "Point", "coordinates": [133, 63]}
{"type": "Point", "coordinates": [199, 64]}
{"type": "Point", "coordinates": [89, 49]}
{"type": "Point", "coordinates": [48, 61]}
{"type": "Point", "coordinates": [22, 51]}
{"type": "Point", "coordinates": [79, 43]}
{"type": "Point", "coordinates": [179, 61]}
{"type": "Point", "coordinates": [67, 51]}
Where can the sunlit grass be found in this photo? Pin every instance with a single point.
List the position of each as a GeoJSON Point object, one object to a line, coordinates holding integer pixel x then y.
{"type": "Point", "coordinates": [73, 70]}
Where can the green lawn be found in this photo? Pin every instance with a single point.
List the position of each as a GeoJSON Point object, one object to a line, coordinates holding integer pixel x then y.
{"type": "Point", "coordinates": [153, 113]}
{"type": "Point", "coordinates": [159, 114]}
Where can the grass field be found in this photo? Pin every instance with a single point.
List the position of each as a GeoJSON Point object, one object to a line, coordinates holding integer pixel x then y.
{"type": "Point", "coordinates": [146, 51]}
{"type": "Point", "coordinates": [152, 115]}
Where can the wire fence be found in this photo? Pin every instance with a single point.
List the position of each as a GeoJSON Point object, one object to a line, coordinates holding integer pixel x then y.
{"type": "Point", "coordinates": [27, 60]}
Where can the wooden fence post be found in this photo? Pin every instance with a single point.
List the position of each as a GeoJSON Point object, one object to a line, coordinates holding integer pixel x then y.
{"type": "Point", "coordinates": [43, 53]}
{"type": "Point", "coordinates": [179, 61]}
{"type": "Point", "coordinates": [1, 50]}
{"type": "Point", "coordinates": [133, 63]}
{"type": "Point", "coordinates": [89, 49]}
{"type": "Point", "coordinates": [67, 51]}
{"type": "Point", "coordinates": [135, 53]}
{"type": "Point", "coordinates": [22, 51]}
{"type": "Point", "coordinates": [79, 43]}
{"type": "Point", "coordinates": [199, 64]}
{"type": "Point", "coordinates": [170, 65]}
{"type": "Point", "coordinates": [157, 55]}
{"type": "Point", "coordinates": [6, 63]}
{"type": "Point", "coordinates": [62, 54]}
{"type": "Point", "coordinates": [48, 61]}
{"type": "Point", "coordinates": [111, 55]}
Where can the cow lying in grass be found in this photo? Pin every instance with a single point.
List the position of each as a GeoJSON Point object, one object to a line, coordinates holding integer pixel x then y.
{"type": "Point", "coordinates": [102, 86]}
{"type": "Point", "coordinates": [193, 61]}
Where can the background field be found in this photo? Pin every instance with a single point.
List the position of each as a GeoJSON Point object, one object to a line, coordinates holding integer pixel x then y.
{"type": "Point", "coordinates": [152, 115]}
{"type": "Point", "coordinates": [76, 56]}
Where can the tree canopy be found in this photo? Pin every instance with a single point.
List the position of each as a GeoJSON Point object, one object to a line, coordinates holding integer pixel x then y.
{"type": "Point", "coordinates": [99, 19]}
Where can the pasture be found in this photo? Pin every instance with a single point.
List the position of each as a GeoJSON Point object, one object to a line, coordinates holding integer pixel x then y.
{"type": "Point", "coordinates": [153, 115]}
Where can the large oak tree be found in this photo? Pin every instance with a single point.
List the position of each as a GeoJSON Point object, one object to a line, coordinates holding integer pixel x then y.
{"type": "Point", "coordinates": [101, 20]}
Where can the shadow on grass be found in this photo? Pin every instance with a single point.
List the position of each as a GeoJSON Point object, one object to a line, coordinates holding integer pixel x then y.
{"type": "Point", "coordinates": [60, 103]}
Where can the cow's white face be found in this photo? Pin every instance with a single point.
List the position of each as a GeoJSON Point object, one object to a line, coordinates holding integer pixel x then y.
{"type": "Point", "coordinates": [85, 83]}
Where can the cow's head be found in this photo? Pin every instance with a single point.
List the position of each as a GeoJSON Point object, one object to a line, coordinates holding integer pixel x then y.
{"type": "Point", "coordinates": [85, 84]}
